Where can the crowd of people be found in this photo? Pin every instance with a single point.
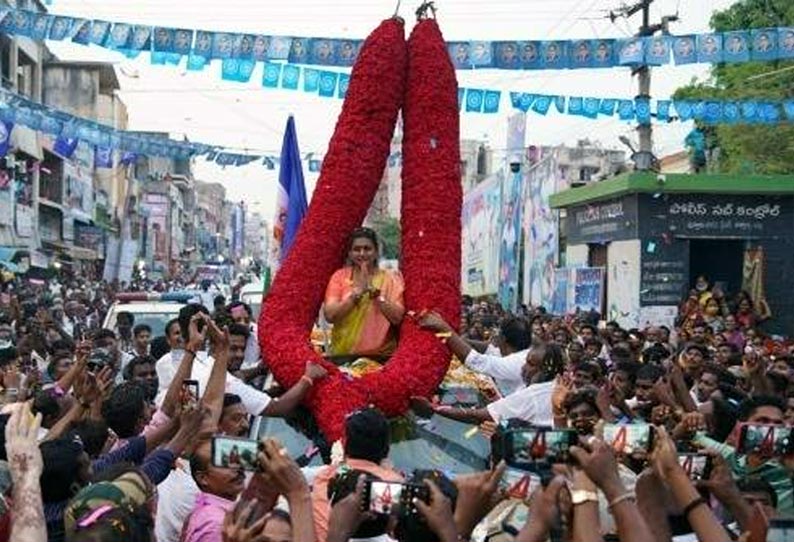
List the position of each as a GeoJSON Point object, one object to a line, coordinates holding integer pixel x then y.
{"type": "Point", "coordinates": [119, 434]}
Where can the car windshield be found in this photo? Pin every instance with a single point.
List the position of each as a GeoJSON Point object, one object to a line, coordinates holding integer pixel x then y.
{"type": "Point", "coordinates": [155, 320]}
{"type": "Point", "coordinates": [437, 443]}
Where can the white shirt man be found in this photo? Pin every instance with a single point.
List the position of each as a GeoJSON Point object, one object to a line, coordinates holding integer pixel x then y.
{"type": "Point", "coordinates": [254, 400]}
{"type": "Point", "coordinates": [531, 404]}
{"type": "Point", "coordinates": [505, 370]}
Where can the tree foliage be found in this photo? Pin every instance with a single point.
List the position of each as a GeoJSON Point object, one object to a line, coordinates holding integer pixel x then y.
{"type": "Point", "coordinates": [388, 230]}
{"type": "Point", "coordinates": [751, 148]}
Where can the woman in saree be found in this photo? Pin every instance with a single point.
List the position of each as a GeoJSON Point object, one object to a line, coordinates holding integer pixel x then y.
{"type": "Point", "coordinates": [363, 302]}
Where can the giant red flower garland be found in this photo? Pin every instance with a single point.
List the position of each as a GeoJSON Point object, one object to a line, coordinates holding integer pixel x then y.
{"type": "Point", "coordinates": [431, 207]}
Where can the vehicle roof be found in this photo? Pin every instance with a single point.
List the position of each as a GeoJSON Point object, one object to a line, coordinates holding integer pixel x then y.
{"type": "Point", "coordinates": [148, 306]}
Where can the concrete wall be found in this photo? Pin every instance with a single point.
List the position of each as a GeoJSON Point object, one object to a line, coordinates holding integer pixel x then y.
{"type": "Point", "coordinates": [576, 255]}
{"type": "Point", "coordinates": [72, 90]}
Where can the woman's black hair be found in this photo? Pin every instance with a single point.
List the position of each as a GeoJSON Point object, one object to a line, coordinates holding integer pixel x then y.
{"type": "Point", "coordinates": [130, 524]}
{"type": "Point", "coordinates": [365, 233]}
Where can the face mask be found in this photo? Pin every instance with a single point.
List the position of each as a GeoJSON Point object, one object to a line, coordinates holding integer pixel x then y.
{"type": "Point", "coordinates": [701, 287]}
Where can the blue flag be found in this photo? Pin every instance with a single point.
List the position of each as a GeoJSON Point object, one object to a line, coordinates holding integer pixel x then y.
{"type": "Point", "coordinates": [474, 100]}
{"type": "Point", "coordinates": [5, 137]}
{"type": "Point", "coordinates": [291, 206]}
{"type": "Point", "coordinates": [103, 157]}
{"type": "Point", "coordinates": [65, 146]}
{"type": "Point", "coordinates": [128, 158]}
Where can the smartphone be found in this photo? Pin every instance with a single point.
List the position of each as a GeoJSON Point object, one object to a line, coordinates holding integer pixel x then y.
{"type": "Point", "coordinates": [530, 449]}
{"type": "Point", "coordinates": [629, 438]}
{"type": "Point", "coordinates": [697, 466]}
{"type": "Point", "coordinates": [189, 396]}
{"type": "Point", "coordinates": [383, 498]}
{"type": "Point", "coordinates": [766, 440]}
{"type": "Point", "coordinates": [234, 453]}
{"type": "Point", "coordinates": [780, 530]}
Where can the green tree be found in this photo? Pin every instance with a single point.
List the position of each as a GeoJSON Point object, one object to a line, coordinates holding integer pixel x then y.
{"type": "Point", "coordinates": [388, 230]}
{"type": "Point", "coordinates": [751, 148]}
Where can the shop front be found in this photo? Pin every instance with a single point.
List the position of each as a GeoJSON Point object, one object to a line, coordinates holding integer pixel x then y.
{"type": "Point", "coordinates": [657, 234]}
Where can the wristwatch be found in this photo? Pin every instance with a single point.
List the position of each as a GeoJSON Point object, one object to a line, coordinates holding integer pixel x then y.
{"type": "Point", "coordinates": [581, 496]}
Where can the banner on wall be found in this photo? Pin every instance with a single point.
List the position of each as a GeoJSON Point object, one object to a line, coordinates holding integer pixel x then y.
{"type": "Point", "coordinates": [512, 192]}
{"type": "Point", "coordinates": [541, 230]}
{"type": "Point", "coordinates": [24, 220]}
{"type": "Point", "coordinates": [559, 302]}
{"type": "Point", "coordinates": [6, 198]}
{"type": "Point", "coordinates": [588, 288]}
{"type": "Point", "coordinates": [481, 237]}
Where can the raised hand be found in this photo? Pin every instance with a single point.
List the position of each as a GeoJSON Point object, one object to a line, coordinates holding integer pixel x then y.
{"type": "Point", "coordinates": [438, 513]}
{"type": "Point", "coordinates": [237, 526]}
{"type": "Point", "coordinates": [197, 333]}
{"type": "Point", "coordinates": [476, 497]}
{"type": "Point", "coordinates": [315, 371]}
{"type": "Point", "coordinates": [280, 471]}
{"type": "Point", "coordinates": [347, 515]}
{"type": "Point", "coordinates": [664, 457]}
{"type": "Point", "coordinates": [434, 322]}
{"type": "Point", "coordinates": [22, 446]}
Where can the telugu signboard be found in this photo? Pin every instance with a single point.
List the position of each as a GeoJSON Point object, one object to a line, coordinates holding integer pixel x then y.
{"type": "Point", "coordinates": [612, 220]}
{"type": "Point", "coordinates": [713, 215]}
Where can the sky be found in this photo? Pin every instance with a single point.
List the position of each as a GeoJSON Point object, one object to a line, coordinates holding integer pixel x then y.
{"type": "Point", "coordinates": [246, 116]}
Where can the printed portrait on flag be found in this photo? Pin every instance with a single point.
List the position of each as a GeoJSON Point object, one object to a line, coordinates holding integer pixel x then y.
{"type": "Point", "coordinates": [348, 52]}
{"type": "Point", "coordinates": [481, 53]}
{"type": "Point", "coordinates": [459, 52]}
{"type": "Point", "coordinates": [261, 46]}
{"type": "Point", "coordinates": [203, 45]}
{"type": "Point", "coordinates": [60, 28]}
{"type": "Point", "coordinates": [99, 32]}
{"type": "Point", "coordinates": [658, 52]}
{"type": "Point", "coordinates": [163, 39]}
{"type": "Point", "coordinates": [710, 48]}
{"type": "Point", "coordinates": [736, 46]}
{"type": "Point", "coordinates": [764, 44]}
{"type": "Point", "coordinates": [41, 25]}
{"type": "Point", "coordinates": [786, 42]}
{"type": "Point", "coordinates": [141, 36]}
{"type": "Point", "coordinates": [507, 55]}
{"type": "Point", "coordinates": [684, 50]}
{"type": "Point", "coordinates": [183, 41]}
{"type": "Point", "coordinates": [530, 56]}
{"type": "Point", "coordinates": [323, 52]}
{"type": "Point", "coordinates": [582, 56]}
{"type": "Point", "coordinates": [603, 51]}
{"type": "Point", "coordinates": [222, 45]}
{"type": "Point", "coordinates": [299, 52]}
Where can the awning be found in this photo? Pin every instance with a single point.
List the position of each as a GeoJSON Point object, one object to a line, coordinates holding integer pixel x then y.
{"type": "Point", "coordinates": [80, 253]}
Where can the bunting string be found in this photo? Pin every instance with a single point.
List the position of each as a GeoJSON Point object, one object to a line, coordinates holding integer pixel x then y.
{"type": "Point", "coordinates": [168, 45]}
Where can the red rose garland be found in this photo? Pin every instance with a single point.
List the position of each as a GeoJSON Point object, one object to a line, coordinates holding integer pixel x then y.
{"type": "Point", "coordinates": [351, 174]}
{"type": "Point", "coordinates": [430, 220]}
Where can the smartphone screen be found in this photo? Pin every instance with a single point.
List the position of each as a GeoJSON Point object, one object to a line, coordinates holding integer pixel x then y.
{"type": "Point", "coordinates": [383, 496]}
{"type": "Point", "coordinates": [697, 466]}
{"type": "Point", "coordinates": [189, 395]}
{"type": "Point", "coordinates": [629, 438]}
{"type": "Point", "coordinates": [386, 497]}
{"type": "Point", "coordinates": [766, 440]}
{"type": "Point", "coordinates": [525, 448]}
{"type": "Point", "coordinates": [234, 453]}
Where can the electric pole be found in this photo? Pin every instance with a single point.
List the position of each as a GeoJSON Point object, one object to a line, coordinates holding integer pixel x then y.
{"type": "Point", "coordinates": [643, 72]}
